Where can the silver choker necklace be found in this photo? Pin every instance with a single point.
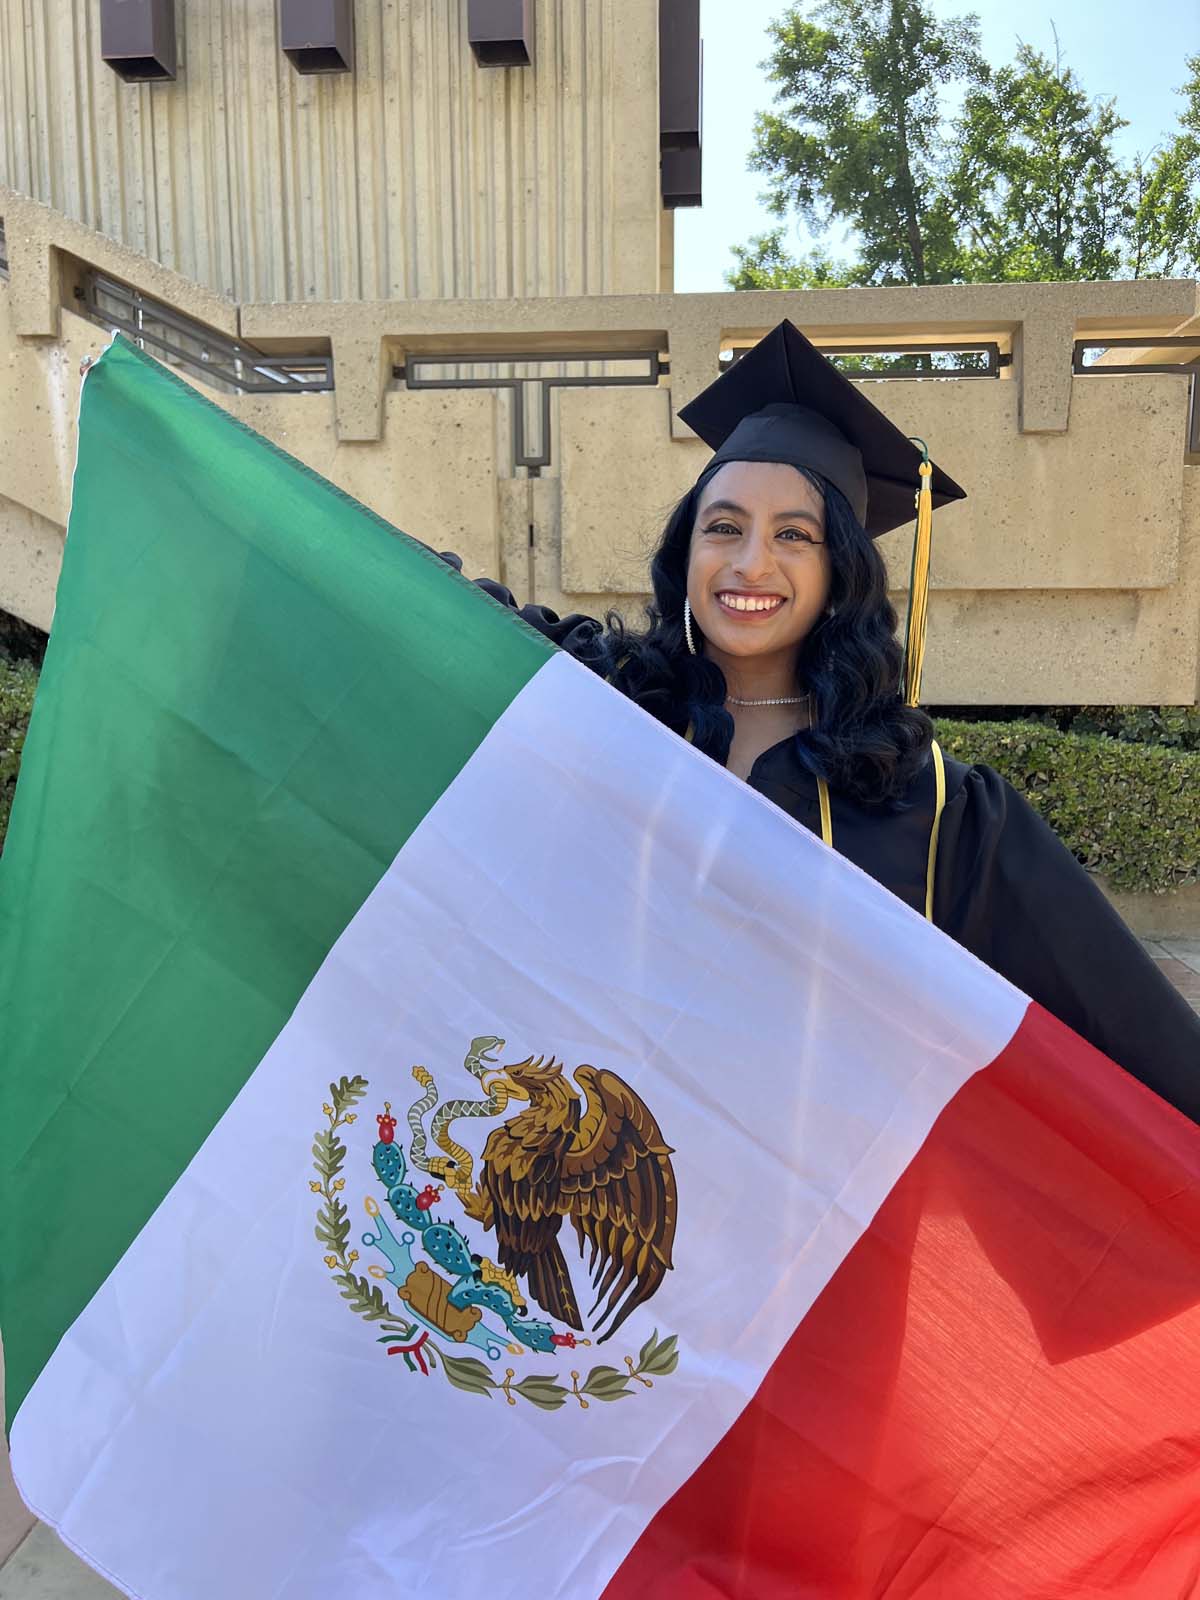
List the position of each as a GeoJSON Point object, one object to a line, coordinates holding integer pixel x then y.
{"type": "Point", "coordinates": [778, 700]}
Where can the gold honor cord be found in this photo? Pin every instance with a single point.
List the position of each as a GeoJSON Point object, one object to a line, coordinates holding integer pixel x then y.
{"type": "Point", "coordinates": [918, 585]}
{"type": "Point", "coordinates": [939, 805]}
{"type": "Point", "coordinates": [826, 814]}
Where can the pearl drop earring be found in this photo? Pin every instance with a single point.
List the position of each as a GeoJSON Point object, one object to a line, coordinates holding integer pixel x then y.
{"type": "Point", "coordinates": [687, 627]}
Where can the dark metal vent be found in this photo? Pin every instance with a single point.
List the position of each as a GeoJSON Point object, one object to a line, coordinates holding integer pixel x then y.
{"type": "Point", "coordinates": [680, 87]}
{"type": "Point", "coordinates": [679, 74]}
{"type": "Point", "coordinates": [681, 174]}
{"type": "Point", "coordinates": [317, 35]}
{"type": "Point", "coordinates": [500, 32]}
{"type": "Point", "coordinates": [137, 39]}
{"type": "Point", "coordinates": [222, 362]}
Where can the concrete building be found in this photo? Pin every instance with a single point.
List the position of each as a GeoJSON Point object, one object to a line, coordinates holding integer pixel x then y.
{"type": "Point", "coordinates": [446, 283]}
{"type": "Point", "coordinates": [416, 173]}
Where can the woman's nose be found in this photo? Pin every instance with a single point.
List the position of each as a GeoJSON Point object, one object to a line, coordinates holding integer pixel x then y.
{"type": "Point", "coordinates": [754, 559]}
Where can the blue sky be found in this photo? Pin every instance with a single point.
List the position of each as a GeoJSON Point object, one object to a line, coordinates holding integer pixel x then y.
{"type": "Point", "coordinates": [1140, 64]}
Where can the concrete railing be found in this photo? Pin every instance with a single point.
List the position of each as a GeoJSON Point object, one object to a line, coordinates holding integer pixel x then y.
{"type": "Point", "coordinates": [1038, 323]}
{"type": "Point", "coordinates": [1072, 573]}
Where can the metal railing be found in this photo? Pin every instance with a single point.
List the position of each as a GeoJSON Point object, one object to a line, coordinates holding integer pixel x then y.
{"type": "Point", "coordinates": [531, 390]}
{"type": "Point", "coordinates": [222, 362]}
{"type": "Point", "coordinates": [982, 359]}
{"type": "Point", "coordinates": [1083, 367]}
{"type": "Point", "coordinates": [237, 367]}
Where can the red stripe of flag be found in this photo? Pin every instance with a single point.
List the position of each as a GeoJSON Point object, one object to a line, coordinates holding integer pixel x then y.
{"type": "Point", "coordinates": [997, 1397]}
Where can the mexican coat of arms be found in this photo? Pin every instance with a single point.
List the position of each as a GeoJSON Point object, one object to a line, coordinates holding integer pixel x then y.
{"type": "Point", "coordinates": [599, 1162]}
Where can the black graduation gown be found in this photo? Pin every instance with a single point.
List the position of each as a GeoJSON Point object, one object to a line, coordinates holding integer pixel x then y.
{"type": "Point", "coordinates": [1005, 887]}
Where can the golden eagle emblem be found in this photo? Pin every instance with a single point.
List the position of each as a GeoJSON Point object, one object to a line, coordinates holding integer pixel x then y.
{"type": "Point", "coordinates": [604, 1164]}
{"type": "Point", "coordinates": [588, 1149]}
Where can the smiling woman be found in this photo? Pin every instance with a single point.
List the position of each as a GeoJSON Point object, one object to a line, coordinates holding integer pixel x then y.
{"type": "Point", "coordinates": [758, 583]}
{"type": "Point", "coordinates": [781, 591]}
{"type": "Point", "coordinates": [771, 645]}
{"type": "Point", "coordinates": [758, 561]}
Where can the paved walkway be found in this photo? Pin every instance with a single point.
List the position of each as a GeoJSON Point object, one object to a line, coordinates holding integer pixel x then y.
{"type": "Point", "coordinates": [1179, 959]}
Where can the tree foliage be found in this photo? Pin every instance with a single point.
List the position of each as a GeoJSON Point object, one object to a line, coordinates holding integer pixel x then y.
{"type": "Point", "coordinates": [1165, 196]}
{"type": "Point", "coordinates": [1023, 181]}
{"type": "Point", "coordinates": [764, 263]}
{"type": "Point", "coordinates": [859, 138]}
{"type": "Point", "coordinates": [1036, 186]}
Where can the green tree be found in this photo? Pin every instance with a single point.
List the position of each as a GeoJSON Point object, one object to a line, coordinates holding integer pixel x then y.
{"type": "Point", "coordinates": [1024, 183]}
{"type": "Point", "coordinates": [1037, 188]}
{"type": "Point", "coordinates": [764, 263]}
{"type": "Point", "coordinates": [859, 138]}
{"type": "Point", "coordinates": [1165, 210]}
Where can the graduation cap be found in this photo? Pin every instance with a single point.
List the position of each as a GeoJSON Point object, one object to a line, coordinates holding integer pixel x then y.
{"type": "Point", "coordinates": [786, 402]}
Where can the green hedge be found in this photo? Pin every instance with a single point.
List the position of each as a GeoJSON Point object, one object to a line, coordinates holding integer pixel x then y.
{"type": "Point", "coordinates": [1176, 727]}
{"type": "Point", "coordinates": [18, 680]}
{"type": "Point", "coordinates": [1128, 810]}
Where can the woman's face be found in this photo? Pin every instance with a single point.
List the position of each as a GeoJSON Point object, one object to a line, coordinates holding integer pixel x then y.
{"type": "Point", "coordinates": [758, 566]}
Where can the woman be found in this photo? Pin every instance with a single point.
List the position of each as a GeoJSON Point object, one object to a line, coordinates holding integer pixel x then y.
{"type": "Point", "coordinates": [771, 645]}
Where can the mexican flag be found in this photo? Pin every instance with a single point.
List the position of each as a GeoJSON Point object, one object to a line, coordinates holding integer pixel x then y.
{"type": "Point", "coordinates": [458, 1140]}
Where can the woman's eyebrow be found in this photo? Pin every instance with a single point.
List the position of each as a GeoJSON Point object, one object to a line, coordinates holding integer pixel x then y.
{"type": "Point", "coordinates": [740, 511]}
{"type": "Point", "coordinates": [798, 516]}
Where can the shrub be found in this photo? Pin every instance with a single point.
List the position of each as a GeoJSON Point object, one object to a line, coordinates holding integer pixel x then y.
{"type": "Point", "coordinates": [20, 641]}
{"type": "Point", "coordinates": [18, 680]}
{"type": "Point", "coordinates": [1128, 810]}
{"type": "Point", "coordinates": [1176, 727]}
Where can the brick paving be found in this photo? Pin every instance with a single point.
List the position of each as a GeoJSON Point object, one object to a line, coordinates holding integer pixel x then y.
{"type": "Point", "coordinates": [1179, 960]}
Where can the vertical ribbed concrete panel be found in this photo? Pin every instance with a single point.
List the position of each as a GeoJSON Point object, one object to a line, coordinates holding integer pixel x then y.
{"type": "Point", "coordinates": [418, 175]}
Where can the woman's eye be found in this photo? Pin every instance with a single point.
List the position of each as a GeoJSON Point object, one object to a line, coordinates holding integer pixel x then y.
{"type": "Point", "coordinates": [724, 527]}
{"type": "Point", "coordinates": [793, 534]}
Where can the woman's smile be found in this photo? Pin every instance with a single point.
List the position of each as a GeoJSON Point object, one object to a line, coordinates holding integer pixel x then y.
{"type": "Point", "coordinates": [748, 606]}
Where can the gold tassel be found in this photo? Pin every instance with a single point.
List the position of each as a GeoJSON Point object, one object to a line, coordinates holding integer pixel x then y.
{"type": "Point", "coordinates": [918, 586]}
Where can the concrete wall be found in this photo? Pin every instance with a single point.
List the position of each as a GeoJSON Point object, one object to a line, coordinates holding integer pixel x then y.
{"type": "Point", "coordinates": [419, 174]}
{"type": "Point", "coordinates": [1071, 574]}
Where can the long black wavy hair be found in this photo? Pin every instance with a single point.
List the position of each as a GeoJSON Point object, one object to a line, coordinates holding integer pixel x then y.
{"type": "Point", "coordinates": [863, 741]}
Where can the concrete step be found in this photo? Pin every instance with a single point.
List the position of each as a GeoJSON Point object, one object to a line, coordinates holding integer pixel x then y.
{"type": "Point", "coordinates": [1179, 960]}
{"type": "Point", "coordinates": [42, 1568]}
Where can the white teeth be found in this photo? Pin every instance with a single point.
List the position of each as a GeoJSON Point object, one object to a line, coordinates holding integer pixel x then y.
{"type": "Point", "coordinates": [742, 602]}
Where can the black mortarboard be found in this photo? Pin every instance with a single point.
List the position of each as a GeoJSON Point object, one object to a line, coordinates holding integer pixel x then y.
{"type": "Point", "coordinates": [785, 401]}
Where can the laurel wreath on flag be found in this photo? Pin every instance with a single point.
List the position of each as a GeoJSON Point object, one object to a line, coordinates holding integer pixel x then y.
{"type": "Point", "coordinates": [656, 1359]}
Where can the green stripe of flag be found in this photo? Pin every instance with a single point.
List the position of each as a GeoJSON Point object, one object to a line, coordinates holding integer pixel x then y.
{"type": "Point", "coordinates": [253, 693]}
